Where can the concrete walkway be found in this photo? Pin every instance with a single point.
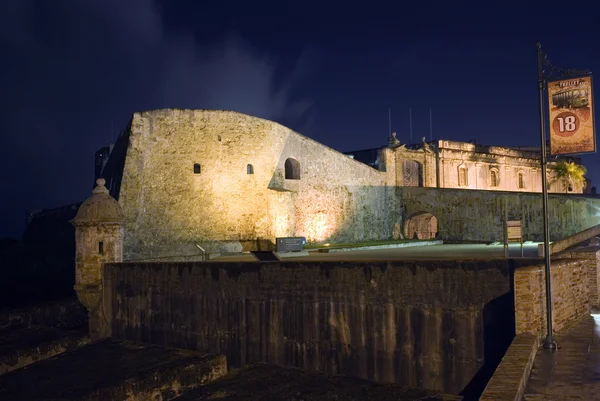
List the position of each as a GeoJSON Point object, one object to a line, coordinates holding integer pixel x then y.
{"type": "Point", "coordinates": [573, 371]}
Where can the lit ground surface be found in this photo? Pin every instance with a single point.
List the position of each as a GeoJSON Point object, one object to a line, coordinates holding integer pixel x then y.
{"type": "Point", "coordinates": [573, 371]}
{"type": "Point", "coordinates": [446, 251]}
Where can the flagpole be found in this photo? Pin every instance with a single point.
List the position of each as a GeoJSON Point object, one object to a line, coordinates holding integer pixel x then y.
{"type": "Point", "coordinates": [410, 122]}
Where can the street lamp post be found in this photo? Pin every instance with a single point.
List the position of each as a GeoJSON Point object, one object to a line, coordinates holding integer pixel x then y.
{"type": "Point", "coordinates": [549, 343]}
{"type": "Point", "coordinates": [542, 61]}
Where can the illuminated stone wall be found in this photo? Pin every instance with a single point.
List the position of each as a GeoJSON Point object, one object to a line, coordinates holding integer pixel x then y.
{"type": "Point", "coordinates": [169, 208]}
{"type": "Point", "coordinates": [442, 161]}
{"type": "Point", "coordinates": [239, 199]}
{"type": "Point", "coordinates": [479, 215]}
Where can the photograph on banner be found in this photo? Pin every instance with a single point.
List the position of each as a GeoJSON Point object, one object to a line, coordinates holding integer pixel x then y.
{"type": "Point", "coordinates": [571, 116]}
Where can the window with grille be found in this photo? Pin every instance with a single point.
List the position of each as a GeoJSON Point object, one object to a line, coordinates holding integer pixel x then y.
{"type": "Point", "coordinates": [494, 179]}
{"type": "Point", "coordinates": [521, 178]}
{"type": "Point", "coordinates": [463, 177]}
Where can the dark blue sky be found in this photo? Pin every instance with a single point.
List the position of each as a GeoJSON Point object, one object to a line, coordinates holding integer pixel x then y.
{"type": "Point", "coordinates": [75, 70]}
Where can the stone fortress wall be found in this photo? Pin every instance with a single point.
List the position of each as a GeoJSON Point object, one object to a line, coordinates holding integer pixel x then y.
{"type": "Point", "coordinates": [194, 177]}
{"type": "Point", "coordinates": [192, 182]}
{"type": "Point", "coordinates": [479, 215]}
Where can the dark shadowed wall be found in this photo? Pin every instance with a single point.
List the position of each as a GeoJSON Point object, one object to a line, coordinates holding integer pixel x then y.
{"type": "Point", "coordinates": [419, 324]}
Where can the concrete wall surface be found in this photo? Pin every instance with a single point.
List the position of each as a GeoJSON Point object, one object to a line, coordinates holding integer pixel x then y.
{"type": "Point", "coordinates": [415, 323]}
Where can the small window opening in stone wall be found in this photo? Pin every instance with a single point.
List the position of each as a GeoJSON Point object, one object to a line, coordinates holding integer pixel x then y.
{"type": "Point", "coordinates": [219, 138]}
{"type": "Point", "coordinates": [292, 169]}
{"type": "Point", "coordinates": [494, 178]}
{"type": "Point", "coordinates": [197, 168]}
{"type": "Point", "coordinates": [521, 179]}
{"type": "Point", "coordinates": [463, 176]}
{"type": "Point", "coordinates": [249, 169]}
{"type": "Point", "coordinates": [101, 248]}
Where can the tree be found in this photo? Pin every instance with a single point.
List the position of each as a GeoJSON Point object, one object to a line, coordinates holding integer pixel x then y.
{"type": "Point", "coordinates": [569, 173]}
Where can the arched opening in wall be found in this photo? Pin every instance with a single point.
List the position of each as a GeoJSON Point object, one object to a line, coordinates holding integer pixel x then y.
{"type": "Point", "coordinates": [292, 169]}
{"type": "Point", "coordinates": [422, 225]}
{"type": "Point", "coordinates": [197, 168]}
{"type": "Point", "coordinates": [463, 176]}
{"type": "Point", "coordinates": [249, 169]}
{"type": "Point", "coordinates": [412, 173]}
{"type": "Point", "coordinates": [494, 178]}
{"type": "Point", "coordinates": [521, 180]}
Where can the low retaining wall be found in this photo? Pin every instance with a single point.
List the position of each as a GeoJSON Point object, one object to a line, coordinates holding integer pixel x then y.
{"type": "Point", "coordinates": [511, 376]}
{"type": "Point", "coordinates": [575, 280]}
{"type": "Point", "coordinates": [570, 295]}
{"type": "Point", "coordinates": [414, 323]}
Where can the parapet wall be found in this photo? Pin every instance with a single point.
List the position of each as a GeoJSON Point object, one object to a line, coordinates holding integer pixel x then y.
{"type": "Point", "coordinates": [571, 295]}
{"type": "Point", "coordinates": [415, 323]}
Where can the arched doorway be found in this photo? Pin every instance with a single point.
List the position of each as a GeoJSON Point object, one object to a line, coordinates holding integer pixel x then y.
{"type": "Point", "coordinates": [422, 225]}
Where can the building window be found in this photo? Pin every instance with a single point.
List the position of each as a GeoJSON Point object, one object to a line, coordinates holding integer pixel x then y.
{"type": "Point", "coordinates": [249, 169]}
{"type": "Point", "coordinates": [494, 178]}
{"type": "Point", "coordinates": [101, 248]}
{"type": "Point", "coordinates": [463, 176]}
{"type": "Point", "coordinates": [292, 169]}
{"type": "Point", "coordinates": [521, 178]}
{"type": "Point", "coordinates": [197, 168]}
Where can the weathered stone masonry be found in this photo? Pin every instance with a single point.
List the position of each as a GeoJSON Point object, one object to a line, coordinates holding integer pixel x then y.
{"type": "Point", "coordinates": [229, 182]}
{"type": "Point", "coordinates": [238, 193]}
{"type": "Point", "coordinates": [419, 324]}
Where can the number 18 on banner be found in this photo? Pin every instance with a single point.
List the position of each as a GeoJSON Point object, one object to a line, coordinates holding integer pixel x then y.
{"type": "Point", "coordinates": [571, 115]}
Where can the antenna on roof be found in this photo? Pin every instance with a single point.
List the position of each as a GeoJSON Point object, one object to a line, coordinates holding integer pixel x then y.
{"type": "Point", "coordinates": [430, 126]}
{"type": "Point", "coordinates": [390, 121]}
{"type": "Point", "coordinates": [410, 122]}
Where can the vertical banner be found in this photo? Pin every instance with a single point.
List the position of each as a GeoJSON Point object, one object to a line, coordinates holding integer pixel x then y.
{"type": "Point", "coordinates": [571, 115]}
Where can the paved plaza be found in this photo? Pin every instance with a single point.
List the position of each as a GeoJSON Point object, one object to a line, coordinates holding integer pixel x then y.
{"type": "Point", "coordinates": [572, 372]}
{"type": "Point", "coordinates": [430, 252]}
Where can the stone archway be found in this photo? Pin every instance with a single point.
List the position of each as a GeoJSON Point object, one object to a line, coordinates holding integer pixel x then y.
{"type": "Point", "coordinates": [422, 225]}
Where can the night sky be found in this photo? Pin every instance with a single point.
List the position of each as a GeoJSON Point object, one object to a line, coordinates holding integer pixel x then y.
{"type": "Point", "coordinates": [74, 71]}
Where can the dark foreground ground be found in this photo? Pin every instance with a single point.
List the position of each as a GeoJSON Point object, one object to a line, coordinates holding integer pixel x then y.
{"type": "Point", "coordinates": [267, 382]}
{"type": "Point", "coordinates": [123, 370]}
{"type": "Point", "coordinates": [112, 370]}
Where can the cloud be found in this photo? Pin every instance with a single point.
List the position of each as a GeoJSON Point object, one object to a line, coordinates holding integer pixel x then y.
{"type": "Point", "coordinates": [77, 69]}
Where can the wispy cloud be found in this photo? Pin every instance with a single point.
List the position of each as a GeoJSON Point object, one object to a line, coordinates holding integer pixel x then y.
{"type": "Point", "coordinates": [76, 71]}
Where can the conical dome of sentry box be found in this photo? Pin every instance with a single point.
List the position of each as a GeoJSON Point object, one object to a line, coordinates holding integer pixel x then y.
{"type": "Point", "coordinates": [99, 208]}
